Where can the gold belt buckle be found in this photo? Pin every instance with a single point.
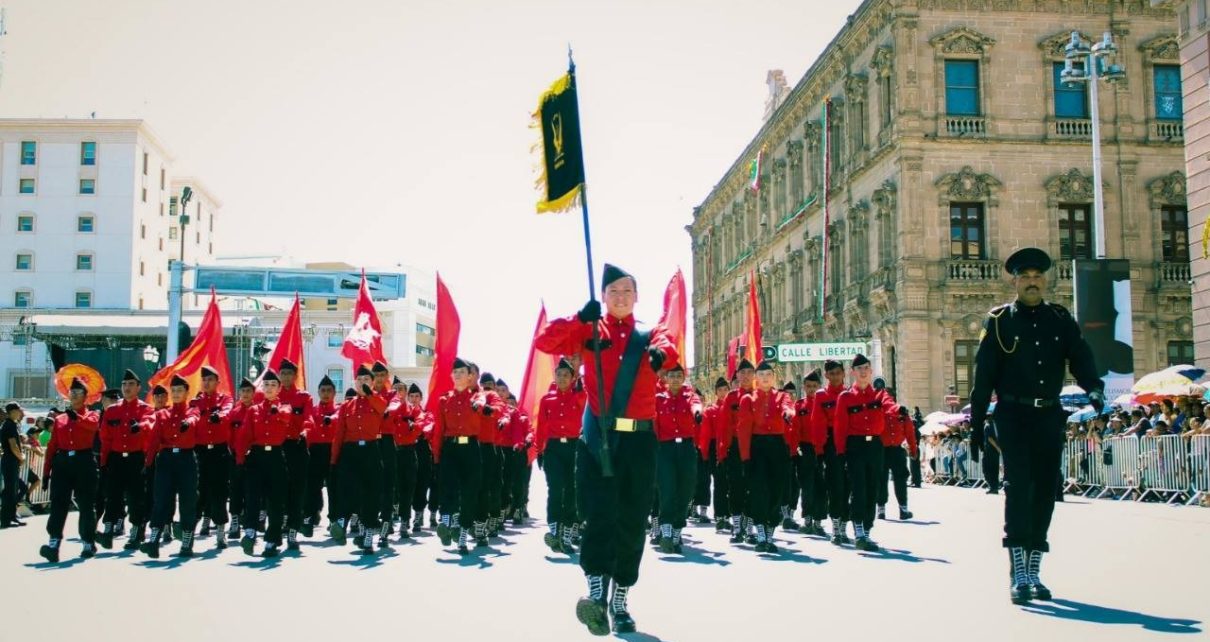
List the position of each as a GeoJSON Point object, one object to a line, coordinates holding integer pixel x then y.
{"type": "Point", "coordinates": [464, 440]}
{"type": "Point", "coordinates": [624, 424]}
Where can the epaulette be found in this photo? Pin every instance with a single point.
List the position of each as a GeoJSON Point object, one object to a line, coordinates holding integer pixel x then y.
{"type": "Point", "coordinates": [998, 310]}
{"type": "Point", "coordinates": [1061, 311]}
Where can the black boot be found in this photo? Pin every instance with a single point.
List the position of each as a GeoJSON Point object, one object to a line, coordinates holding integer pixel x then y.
{"type": "Point", "coordinates": [591, 610]}
{"type": "Point", "coordinates": [151, 548]}
{"type": "Point", "coordinates": [105, 537]}
{"type": "Point", "coordinates": [136, 537]}
{"type": "Point", "coordinates": [1033, 569]}
{"type": "Point", "coordinates": [186, 545]}
{"type": "Point", "coordinates": [622, 622]}
{"type": "Point", "coordinates": [50, 551]}
{"type": "Point", "coordinates": [89, 551]}
{"type": "Point", "coordinates": [1019, 591]}
{"type": "Point", "coordinates": [248, 542]}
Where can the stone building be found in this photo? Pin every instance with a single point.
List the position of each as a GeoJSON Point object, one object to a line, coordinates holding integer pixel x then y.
{"type": "Point", "coordinates": [950, 144]}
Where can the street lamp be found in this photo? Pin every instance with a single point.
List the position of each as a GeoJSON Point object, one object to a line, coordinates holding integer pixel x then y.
{"type": "Point", "coordinates": [1095, 63]}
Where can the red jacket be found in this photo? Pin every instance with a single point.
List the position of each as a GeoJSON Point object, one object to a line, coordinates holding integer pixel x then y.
{"type": "Point", "coordinates": [803, 424]}
{"type": "Point", "coordinates": [264, 424]}
{"type": "Point", "coordinates": [725, 428]}
{"type": "Point", "coordinates": [124, 428]}
{"type": "Point", "coordinates": [518, 431]}
{"type": "Point", "coordinates": [302, 409]}
{"type": "Point", "coordinates": [823, 415]}
{"type": "Point", "coordinates": [361, 419]}
{"type": "Point", "coordinates": [405, 418]}
{"type": "Point", "coordinates": [71, 434]}
{"type": "Point", "coordinates": [899, 429]}
{"type": "Point", "coordinates": [560, 416]}
{"type": "Point", "coordinates": [570, 336]}
{"type": "Point", "coordinates": [489, 425]}
{"type": "Point", "coordinates": [454, 418]}
{"type": "Point", "coordinates": [239, 419]}
{"type": "Point", "coordinates": [675, 414]}
{"type": "Point", "coordinates": [388, 396]}
{"type": "Point", "coordinates": [175, 427]}
{"type": "Point", "coordinates": [763, 413]}
{"type": "Point", "coordinates": [325, 416]}
{"type": "Point", "coordinates": [707, 431]}
{"type": "Point", "coordinates": [861, 413]}
{"type": "Point", "coordinates": [207, 406]}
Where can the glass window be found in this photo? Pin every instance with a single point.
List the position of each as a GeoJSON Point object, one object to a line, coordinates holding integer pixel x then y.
{"type": "Point", "coordinates": [144, 163]}
{"type": "Point", "coordinates": [335, 340]}
{"type": "Point", "coordinates": [25, 262]}
{"type": "Point", "coordinates": [83, 299]}
{"type": "Point", "coordinates": [962, 87]}
{"type": "Point", "coordinates": [172, 201]}
{"type": "Point", "coordinates": [144, 194]}
{"type": "Point", "coordinates": [88, 186]}
{"type": "Point", "coordinates": [337, 375]}
{"type": "Point", "coordinates": [1174, 234]}
{"type": "Point", "coordinates": [424, 352]}
{"type": "Point", "coordinates": [26, 186]}
{"type": "Point", "coordinates": [83, 262]}
{"type": "Point", "coordinates": [1180, 353]}
{"type": "Point", "coordinates": [1070, 101]}
{"type": "Point", "coordinates": [172, 232]}
{"type": "Point", "coordinates": [23, 299]}
{"type": "Point", "coordinates": [25, 223]}
{"type": "Point", "coordinates": [88, 153]}
{"type": "Point", "coordinates": [1075, 232]}
{"type": "Point", "coordinates": [964, 368]}
{"type": "Point", "coordinates": [84, 224]}
{"type": "Point", "coordinates": [29, 152]}
{"type": "Point", "coordinates": [1168, 92]}
{"type": "Point", "coordinates": [966, 231]}
{"type": "Point", "coordinates": [424, 329]}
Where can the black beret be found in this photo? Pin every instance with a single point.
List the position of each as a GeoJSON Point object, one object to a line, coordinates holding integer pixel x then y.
{"type": "Point", "coordinates": [720, 383]}
{"type": "Point", "coordinates": [395, 381]}
{"type": "Point", "coordinates": [414, 389]}
{"type": "Point", "coordinates": [78, 384]}
{"type": "Point", "coordinates": [903, 411]}
{"type": "Point", "coordinates": [112, 394]}
{"type": "Point", "coordinates": [129, 375]}
{"type": "Point", "coordinates": [247, 384]}
{"type": "Point", "coordinates": [812, 376]}
{"type": "Point", "coordinates": [11, 406]}
{"type": "Point", "coordinates": [350, 393]}
{"type": "Point", "coordinates": [1027, 258]}
{"type": "Point", "coordinates": [613, 273]}
{"type": "Point", "coordinates": [459, 363]}
{"type": "Point", "coordinates": [270, 375]}
{"type": "Point", "coordinates": [860, 360]}
{"type": "Point", "coordinates": [379, 367]}
{"type": "Point", "coordinates": [286, 364]}
{"type": "Point", "coordinates": [159, 390]}
{"type": "Point", "coordinates": [789, 387]}
{"type": "Point", "coordinates": [677, 368]}
{"type": "Point", "coordinates": [832, 364]}
{"type": "Point", "coordinates": [487, 378]}
{"type": "Point", "coordinates": [207, 371]}
{"type": "Point", "coordinates": [744, 364]}
{"type": "Point", "coordinates": [363, 371]}
{"type": "Point", "coordinates": [327, 381]}
{"type": "Point", "coordinates": [500, 383]}
{"type": "Point", "coordinates": [764, 365]}
{"type": "Point", "coordinates": [178, 382]}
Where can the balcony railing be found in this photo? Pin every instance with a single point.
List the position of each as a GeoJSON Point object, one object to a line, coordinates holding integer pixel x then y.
{"type": "Point", "coordinates": [1072, 128]}
{"type": "Point", "coordinates": [1167, 130]}
{"type": "Point", "coordinates": [1063, 270]}
{"type": "Point", "coordinates": [972, 270]}
{"type": "Point", "coordinates": [965, 125]}
{"type": "Point", "coordinates": [1174, 273]}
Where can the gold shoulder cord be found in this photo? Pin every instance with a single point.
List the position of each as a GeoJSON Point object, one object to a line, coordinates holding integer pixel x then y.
{"type": "Point", "coordinates": [998, 339]}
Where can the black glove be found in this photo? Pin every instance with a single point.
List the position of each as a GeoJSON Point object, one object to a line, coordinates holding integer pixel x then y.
{"type": "Point", "coordinates": [578, 386]}
{"type": "Point", "coordinates": [590, 312]}
{"type": "Point", "coordinates": [184, 426]}
{"type": "Point", "coordinates": [273, 409]}
{"type": "Point", "coordinates": [327, 420]}
{"type": "Point", "coordinates": [789, 417]}
{"type": "Point", "coordinates": [656, 356]}
{"type": "Point", "coordinates": [71, 414]}
{"type": "Point", "coordinates": [803, 412]}
{"type": "Point", "coordinates": [735, 407]}
{"type": "Point", "coordinates": [134, 427]}
{"type": "Point", "coordinates": [365, 389]}
{"type": "Point", "coordinates": [486, 410]}
{"type": "Point", "coordinates": [214, 419]}
{"type": "Point", "coordinates": [1097, 399]}
{"type": "Point", "coordinates": [298, 410]}
{"type": "Point", "coordinates": [697, 417]}
{"type": "Point", "coordinates": [540, 463]}
{"type": "Point", "coordinates": [976, 442]}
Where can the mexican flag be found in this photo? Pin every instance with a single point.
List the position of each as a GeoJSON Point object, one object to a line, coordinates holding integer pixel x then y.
{"type": "Point", "coordinates": [754, 168]}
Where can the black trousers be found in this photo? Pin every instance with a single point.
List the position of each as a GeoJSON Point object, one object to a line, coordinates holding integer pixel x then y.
{"type": "Point", "coordinates": [991, 467]}
{"type": "Point", "coordinates": [296, 488]}
{"type": "Point", "coordinates": [810, 478]}
{"type": "Point", "coordinates": [1031, 442]}
{"type": "Point", "coordinates": [9, 469]}
{"type": "Point", "coordinates": [73, 475]}
{"type": "Point", "coordinates": [615, 508]}
{"type": "Point", "coordinates": [101, 497]}
{"type": "Point", "coordinates": [863, 460]}
{"type": "Point", "coordinates": [491, 482]}
{"type": "Point", "coordinates": [790, 496]}
{"type": "Point", "coordinates": [238, 490]}
{"type": "Point", "coordinates": [705, 472]}
{"type": "Point", "coordinates": [917, 475]}
{"type": "Point", "coordinates": [837, 481]}
{"type": "Point", "coordinates": [319, 468]}
{"type": "Point", "coordinates": [266, 482]}
{"type": "Point", "coordinates": [405, 486]}
{"type": "Point", "coordinates": [461, 475]}
{"type": "Point", "coordinates": [126, 488]}
{"type": "Point", "coordinates": [676, 479]}
{"type": "Point", "coordinates": [175, 482]}
{"type": "Point", "coordinates": [737, 487]}
{"type": "Point", "coordinates": [516, 474]}
{"type": "Point", "coordinates": [425, 495]}
{"type": "Point", "coordinates": [386, 493]}
{"type": "Point", "coordinates": [559, 464]}
{"type": "Point", "coordinates": [767, 472]}
{"type": "Point", "coordinates": [214, 481]}
{"type": "Point", "coordinates": [360, 472]}
{"type": "Point", "coordinates": [722, 484]}
{"type": "Point", "coordinates": [894, 461]}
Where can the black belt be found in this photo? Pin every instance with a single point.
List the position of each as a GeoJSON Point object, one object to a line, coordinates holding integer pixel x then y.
{"type": "Point", "coordinates": [73, 453]}
{"type": "Point", "coordinates": [626, 424]}
{"type": "Point", "coordinates": [465, 439]}
{"type": "Point", "coordinates": [1032, 403]}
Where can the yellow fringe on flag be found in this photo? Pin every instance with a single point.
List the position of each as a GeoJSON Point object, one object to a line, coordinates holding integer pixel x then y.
{"type": "Point", "coordinates": [562, 204]}
{"type": "Point", "coordinates": [571, 199]}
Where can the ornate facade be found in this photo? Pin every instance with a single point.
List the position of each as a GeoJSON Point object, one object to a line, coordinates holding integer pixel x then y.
{"type": "Point", "coordinates": [950, 146]}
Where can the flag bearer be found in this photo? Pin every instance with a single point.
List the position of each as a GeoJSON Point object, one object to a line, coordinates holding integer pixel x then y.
{"type": "Point", "coordinates": [737, 491]}
{"type": "Point", "coordinates": [386, 447]}
{"type": "Point", "coordinates": [71, 472]}
{"type": "Point", "coordinates": [295, 447]}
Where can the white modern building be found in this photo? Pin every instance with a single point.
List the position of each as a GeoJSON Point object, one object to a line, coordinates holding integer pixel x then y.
{"type": "Point", "coordinates": [87, 211]}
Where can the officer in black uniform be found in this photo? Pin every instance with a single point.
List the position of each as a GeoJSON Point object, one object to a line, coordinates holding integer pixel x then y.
{"type": "Point", "coordinates": [1022, 353]}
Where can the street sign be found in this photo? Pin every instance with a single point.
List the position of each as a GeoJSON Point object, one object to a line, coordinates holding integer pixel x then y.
{"type": "Point", "coordinates": [767, 353]}
{"type": "Point", "coordinates": [952, 402]}
{"type": "Point", "coordinates": [798, 352]}
{"type": "Point", "coordinates": [307, 283]}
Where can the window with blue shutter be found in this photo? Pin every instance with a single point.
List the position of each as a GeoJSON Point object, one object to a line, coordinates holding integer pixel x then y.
{"type": "Point", "coordinates": [1070, 102]}
{"type": "Point", "coordinates": [1168, 92]}
{"type": "Point", "coordinates": [962, 87]}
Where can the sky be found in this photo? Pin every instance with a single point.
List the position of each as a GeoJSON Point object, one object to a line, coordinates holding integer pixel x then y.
{"type": "Point", "coordinates": [378, 132]}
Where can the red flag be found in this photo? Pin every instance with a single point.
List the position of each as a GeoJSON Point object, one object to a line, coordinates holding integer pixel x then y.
{"type": "Point", "coordinates": [752, 331]}
{"type": "Point", "coordinates": [674, 316]}
{"type": "Point", "coordinates": [363, 346]}
{"type": "Point", "coordinates": [207, 349]}
{"type": "Point", "coordinates": [732, 357]}
{"type": "Point", "coordinates": [289, 346]}
{"type": "Point", "coordinates": [539, 374]}
{"type": "Point", "coordinates": [445, 346]}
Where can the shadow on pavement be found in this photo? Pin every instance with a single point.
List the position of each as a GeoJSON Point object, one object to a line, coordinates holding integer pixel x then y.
{"type": "Point", "coordinates": [55, 566]}
{"type": "Point", "coordinates": [367, 561]}
{"type": "Point", "coordinates": [170, 563]}
{"type": "Point", "coordinates": [260, 563]}
{"type": "Point", "coordinates": [1079, 611]}
{"type": "Point", "coordinates": [638, 637]}
{"type": "Point", "coordinates": [901, 556]}
{"type": "Point", "coordinates": [466, 561]}
{"type": "Point", "coordinates": [785, 554]}
{"type": "Point", "coordinates": [693, 555]}
{"type": "Point", "coordinates": [561, 559]}
{"type": "Point", "coordinates": [917, 522]}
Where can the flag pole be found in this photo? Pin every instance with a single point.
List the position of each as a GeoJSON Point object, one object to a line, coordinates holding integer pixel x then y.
{"type": "Point", "coordinates": [603, 409]}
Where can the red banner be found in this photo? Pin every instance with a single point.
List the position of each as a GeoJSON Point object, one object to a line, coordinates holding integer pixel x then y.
{"type": "Point", "coordinates": [752, 339]}
{"type": "Point", "coordinates": [363, 346]}
{"type": "Point", "coordinates": [445, 345]}
{"type": "Point", "coordinates": [207, 349]}
{"type": "Point", "coordinates": [675, 314]}
{"type": "Point", "coordinates": [289, 346]}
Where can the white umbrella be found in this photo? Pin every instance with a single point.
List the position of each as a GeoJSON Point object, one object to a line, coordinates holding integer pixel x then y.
{"type": "Point", "coordinates": [933, 428]}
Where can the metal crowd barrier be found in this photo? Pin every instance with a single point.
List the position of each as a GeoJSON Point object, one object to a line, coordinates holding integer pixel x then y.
{"type": "Point", "coordinates": [33, 461]}
{"type": "Point", "coordinates": [1199, 468]}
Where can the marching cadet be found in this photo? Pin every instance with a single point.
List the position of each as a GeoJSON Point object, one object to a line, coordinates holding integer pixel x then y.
{"type": "Point", "coordinates": [170, 445]}
{"type": "Point", "coordinates": [386, 447]}
{"type": "Point", "coordinates": [709, 443]}
{"type": "Point", "coordinates": [517, 439]}
{"type": "Point", "coordinates": [678, 413]}
{"type": "Point", "coordinates": [704, 441]}
{"type": "Point", "coordinates": [319, 460]}
{"type": "Point", "coordinates": [616, 456]}
{"type": "Point", "coordinates": [358, 458]}
{"type": "Point", "coordinates": [406, 417]}
{"type": "Point", "coordinates": [823, 424]}
{"type": "Point", "coordinates": [861, 415]}
{"type": "Point", "coordinates": [237, 421]}
{"type": "Point", "coordinates": [213, 454]}
{"type": "Point", "coordinates": [295, 447]}
{"type": "Point", "coordinates": [456, 427]}
{"type": "Point", "coordinates": [560, 419]}
{"type": "Point", "coordinates": [1028, 341]}
{"type": "Point", "coordinates": [266, 428]}
{"type": "Point", "coordinates": [159, 401]}
{"type": "Point", "coordinates": [124, 432]}
{"type": "Point", "coordinates": [790, 494]}
{"type": "Point", "coordinates": [503, 448]}
{"type": "Point", "coordinates": [737, 491]}
{"type": "Point", "coordinates": [810, 459]}
{"type": "Point", "coordinates": [765, 415]}
{"type": "Point", "coordinates": [71, 465]}
{"type": "Point", "coordinates": [109, 398]}
{"type": "Point", "coordinates": [899, 428]}
{"type": "Point", "coordinates": [425, 493]}
{"type": "Point", "coordinates": [491, 408]}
